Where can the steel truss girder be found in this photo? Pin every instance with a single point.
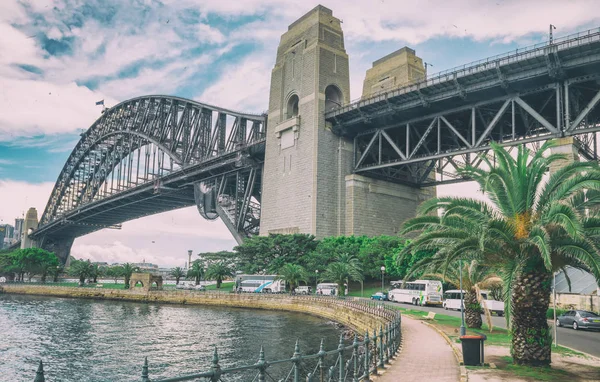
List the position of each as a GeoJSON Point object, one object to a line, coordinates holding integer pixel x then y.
{"type": "Point", "coordinates": [565, 108]}
{"type": "Point", "coordinates": [179, 133]}
{"type": "Point", "coordinates": [235, 198]}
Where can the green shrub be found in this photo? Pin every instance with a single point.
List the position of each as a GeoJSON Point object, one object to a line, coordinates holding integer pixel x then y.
{"type": "Point", "coordinates": [550, 313]}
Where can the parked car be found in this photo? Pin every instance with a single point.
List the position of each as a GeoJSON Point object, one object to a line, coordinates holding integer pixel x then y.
{"type": "Point", "coordinates": [579, 319]}
{"type": "Point", "coordinates": [199, 287]}
{"type": "Point", "coordinates": [379, 296]}
{"type": "Point", "coordinates": [303, 290]}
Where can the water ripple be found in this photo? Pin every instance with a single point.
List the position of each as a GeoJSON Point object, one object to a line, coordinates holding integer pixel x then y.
{"type": "Point", "coordinates": [97, 341]}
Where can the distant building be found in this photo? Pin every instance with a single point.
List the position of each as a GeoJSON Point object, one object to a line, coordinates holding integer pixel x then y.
{"type": "Point", "coordinates": [6, 234]}
{"type": "Point", "coordinates": [18, 231]}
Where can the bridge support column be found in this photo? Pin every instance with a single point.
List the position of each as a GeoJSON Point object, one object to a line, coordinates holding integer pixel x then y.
{"type": "Point", "coordinates": [305, 162]}
{"type": "Point", "coordinates": [29, 225]}
{"type": "Point", "coordinates": [60, 246]}
{"type": "Point", "coordinates": [377, 207]}
{"type": "Point", "coordinates": [568, 147]}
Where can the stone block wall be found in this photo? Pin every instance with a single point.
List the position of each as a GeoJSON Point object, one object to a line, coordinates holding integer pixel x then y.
{"type": "Point", "coordinates": [356, 316]}
{"type": "Point", "coordinates": [376, 207]}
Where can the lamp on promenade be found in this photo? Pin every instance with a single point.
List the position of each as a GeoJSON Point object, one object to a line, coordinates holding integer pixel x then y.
{"type": "Point", "coordinates": [382, 273]}
{"type": "Point", "coordinates": [463, 331]}
{"type": "Point", "coordinates": [316, 280]}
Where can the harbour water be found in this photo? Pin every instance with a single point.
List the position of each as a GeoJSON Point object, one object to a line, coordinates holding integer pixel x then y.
{"type": "Point", "coordinates": [87, 340]}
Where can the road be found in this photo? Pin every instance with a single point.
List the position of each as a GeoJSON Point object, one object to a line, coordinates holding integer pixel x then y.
{"type": "Point", "coordinates": [586, 341]}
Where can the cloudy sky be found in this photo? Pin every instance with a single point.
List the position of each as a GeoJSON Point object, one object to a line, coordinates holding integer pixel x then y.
{"type": "Point", "coordinates": [57, 58]}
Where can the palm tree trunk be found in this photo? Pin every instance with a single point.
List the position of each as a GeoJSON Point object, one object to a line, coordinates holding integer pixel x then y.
{"type": "Point", "coordinates": [472, 310]}
{"type": "Point", "coordinates": [532, 339]}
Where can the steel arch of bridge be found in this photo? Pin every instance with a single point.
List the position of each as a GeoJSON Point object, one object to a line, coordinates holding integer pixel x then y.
{"type": "Point", "coordinates": [154, 146]}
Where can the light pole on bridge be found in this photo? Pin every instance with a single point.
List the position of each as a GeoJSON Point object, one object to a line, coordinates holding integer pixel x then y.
{"type": "Point", "coordinates": [551, 39]}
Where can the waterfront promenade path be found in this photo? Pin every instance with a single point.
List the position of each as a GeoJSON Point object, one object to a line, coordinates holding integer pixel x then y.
{"type": "Point", "coordinates": [425, 356]}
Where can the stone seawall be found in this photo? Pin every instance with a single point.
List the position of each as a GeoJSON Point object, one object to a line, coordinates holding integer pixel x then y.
{"type": "Point", "coordinates": [358, 316]}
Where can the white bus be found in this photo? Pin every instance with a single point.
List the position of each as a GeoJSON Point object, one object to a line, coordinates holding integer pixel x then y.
{"type": "Point", "coordinates": [258, 284]}
{"type": "Point", "coordinates": [262, 286]}
{"type": "Point", "coordinates": [419, 292]}
{"type": "Point", "coordinates": [329, 289]}
{"type": "Point", "coordinates": [452, 301]}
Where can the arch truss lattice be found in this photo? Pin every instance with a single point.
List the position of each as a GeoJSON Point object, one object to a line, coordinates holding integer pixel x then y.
{"type": "Point", "coordinates": [151, 140]}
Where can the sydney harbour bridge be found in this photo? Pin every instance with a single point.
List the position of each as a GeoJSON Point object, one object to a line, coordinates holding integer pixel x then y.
{"type": "Point", "coordinates": [153, 154]}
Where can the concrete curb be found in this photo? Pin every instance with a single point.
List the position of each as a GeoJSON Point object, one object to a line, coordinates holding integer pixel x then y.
{"type": "Point", "coordinates": [588, 355]}
{"type": "Point", "coordinates": [464, 377]}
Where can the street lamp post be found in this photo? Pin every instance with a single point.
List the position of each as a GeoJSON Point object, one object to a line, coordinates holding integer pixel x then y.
{"type": "Point", "coordinates": [554, 304]}
{"type": "Point", "coordinates": [316, 280]}
{"type": "Point", "coordinates": [463, 331]}
{"type": "Point", "coordinates": [382, 273]}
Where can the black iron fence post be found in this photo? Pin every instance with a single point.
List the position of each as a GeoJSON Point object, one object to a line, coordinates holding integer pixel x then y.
{"type": "Point", "coordinates": [321, 362]}
{"type": "Point", "coordinates": [145, 377]}
{"type": "Point", "coordinates": [367, 355]}
{"type": "Point", "coordinates": [296, 358]}
{"type": "Point", "coordinates": [381, 348]}
{"type": "Point", "coordinates": [39, 374]}
{"type": "Point", "coordinates": [341, 357]}
{"type": "Point", "coordinates": [355, 357]}
{"type": "Point", "coordinates": [262, 366]}
{"type": "Point", "coordinates": [215, 368]}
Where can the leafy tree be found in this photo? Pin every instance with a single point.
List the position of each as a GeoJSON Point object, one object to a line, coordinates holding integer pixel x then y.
{"type": "Point", "coordinates": [81, 269]}
{"type": "Point", "coordinates": [345, 268]}
{"type": "Point", "coordinates": [115, 272]}
{"type": "Point", "coordinates": [128, 270]}
{"type": "Point", "coordinates": [177, 273]}
{"type": "Point", "coordinates": [218, 272]}
{"type": "Point", "coordinates": [330, 248]}
{"type": "Point", "coordinates": [530, 229]}
{"type": "Point", "coordinates": [380, 250]}
{"type": "Point", "coordinates": [292, 274]}
{"type": "Point", "coordinates": [34, 261]}
{"type": "Point", "coordinates": [271, 252]}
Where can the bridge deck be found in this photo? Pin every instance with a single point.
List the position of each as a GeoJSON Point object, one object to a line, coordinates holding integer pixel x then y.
{"type": "Point", "coordinates": [520, 71]}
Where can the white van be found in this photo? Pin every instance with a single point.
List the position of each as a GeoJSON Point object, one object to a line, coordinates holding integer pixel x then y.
{"type": "Point", "coordinates": [304, 289]}
{"type": "Point", "coordinates": [452, 301]}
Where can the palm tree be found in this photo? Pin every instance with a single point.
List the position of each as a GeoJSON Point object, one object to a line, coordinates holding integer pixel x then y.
{"type": "Point", "coordinates": [528, 230]}
{"type": "Point", "coordinates": [292, 274]}
{"type": "Point", "coordinates": [196, 271]}
{"type": "Point", "coordinates": [178, 273]}
{"type": "Point", "coordinates": [96, 272]}
{"type": "Point", "coordinates": [56, 271]}
{"type": "Point", "coordinates": [81, 269]}
{"type": "Point", "coordinates": [218, 271]}
{"type": "Point", "coordinates": [474, 278]}
{"type": "Point", "coordinates": [128, 270]}
{"type": "Point", "coordinates": [346, 268]}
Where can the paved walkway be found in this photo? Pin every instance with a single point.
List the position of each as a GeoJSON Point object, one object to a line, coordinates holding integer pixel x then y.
{"type": "Point", "coordinates": [425, 356]}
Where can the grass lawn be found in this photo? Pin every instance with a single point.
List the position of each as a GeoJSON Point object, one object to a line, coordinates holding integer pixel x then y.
{"type": "Point", "coordinates": [368, 289]}
{"type": "Point", "coordinates": [498, 337]}
{"type": "Point", "coordinates": [225, 287]}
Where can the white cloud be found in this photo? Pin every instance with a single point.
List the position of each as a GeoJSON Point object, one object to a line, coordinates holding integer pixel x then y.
{"type": "Point", "coordinates": [209, 34]}
{"type": "Point", "coordinates": [242, 86]}
{"type": "Point", "coordinates": [163, 239]}
{"type": "Point", "coordinates": [17, 197]}
{"type": "Point", "coordinates": [29, 107]}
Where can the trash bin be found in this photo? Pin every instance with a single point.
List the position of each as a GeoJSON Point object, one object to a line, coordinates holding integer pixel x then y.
{"type": "Point", "coordinates": [472, 349]}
